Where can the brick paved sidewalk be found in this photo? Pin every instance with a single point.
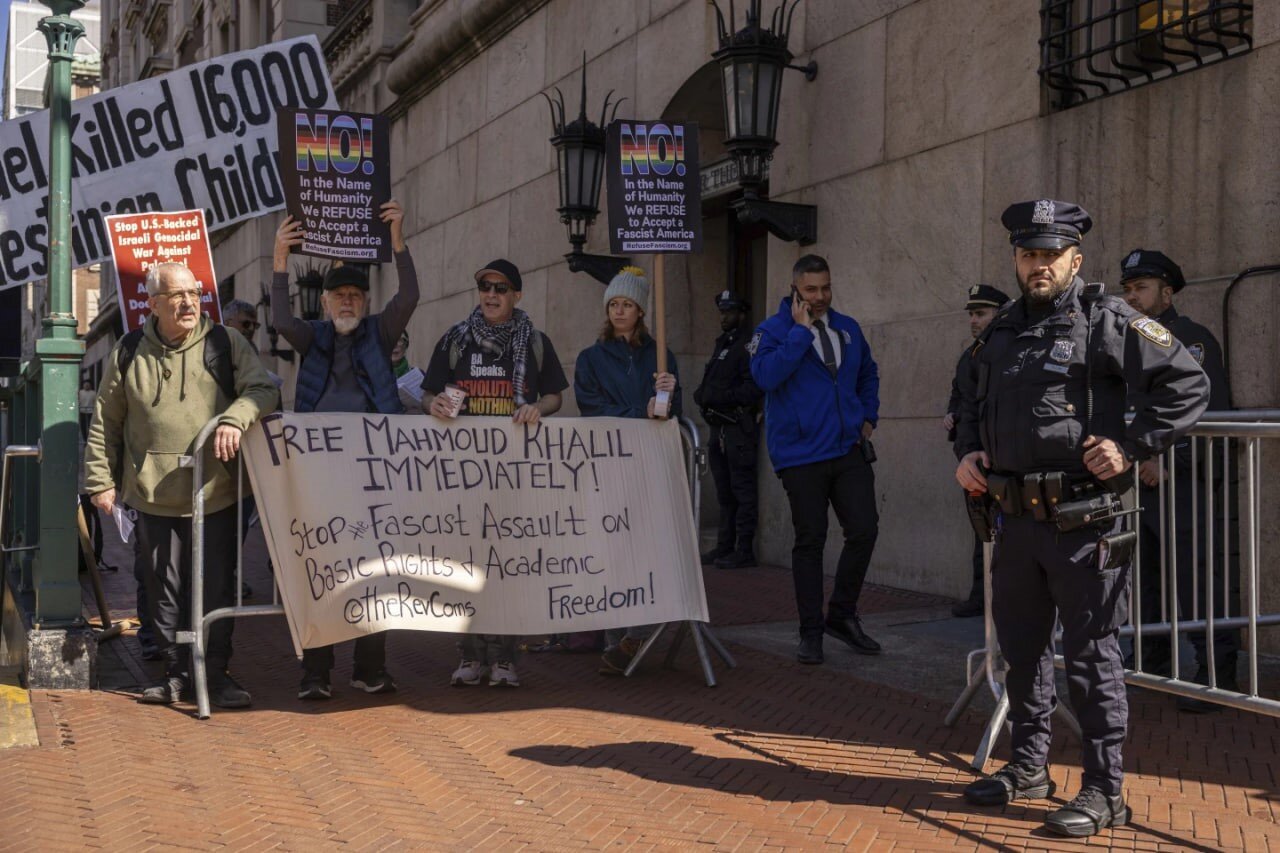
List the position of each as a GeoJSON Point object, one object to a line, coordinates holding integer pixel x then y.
{"type": "Point", "coordinates": [778, 757]}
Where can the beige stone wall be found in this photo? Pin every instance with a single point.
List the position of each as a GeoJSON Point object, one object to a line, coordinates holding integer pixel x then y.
{"type": "Point", "coordinates": [925, 121]}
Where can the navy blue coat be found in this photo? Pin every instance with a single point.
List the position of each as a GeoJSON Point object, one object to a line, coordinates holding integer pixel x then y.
{"type": "Point", "coordinates": [614, 379]}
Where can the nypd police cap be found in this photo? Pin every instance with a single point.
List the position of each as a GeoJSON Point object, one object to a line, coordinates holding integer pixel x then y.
{"type": "Point", "coordinates": [1046, 224]}
{"type": "Point", "coordinates": [984, 296]}
{"type": "Point", "coordinates": [727, 300]}
{"type": "Point", "coordinates": [1144, 263]}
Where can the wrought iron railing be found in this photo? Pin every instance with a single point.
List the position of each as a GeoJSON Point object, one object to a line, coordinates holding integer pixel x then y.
{"type": "Point", "coordinates": [1093, 48]}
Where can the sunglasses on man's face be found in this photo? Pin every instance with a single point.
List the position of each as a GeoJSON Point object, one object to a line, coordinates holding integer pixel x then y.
{"type": "Point", "coordinates": [499, 287]}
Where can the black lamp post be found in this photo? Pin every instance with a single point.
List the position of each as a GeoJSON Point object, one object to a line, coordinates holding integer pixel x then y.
{"type": "Point", "coordinates": [310, 281]}
{"type": "Point", "coordinates": [752, 61]}
{"type": "Point", "coordinates": [580, 148]}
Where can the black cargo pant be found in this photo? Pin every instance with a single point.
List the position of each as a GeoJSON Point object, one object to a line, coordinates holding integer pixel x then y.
{"type": "Point", "coordinates": [848, 484]}
{"type": "Point", "coordinates": [732, 458]}
{"type": "Point", "coordinates": [164, 554]}
{"type": "Point", "coordinates": [1038, 574]}
{"type": "Point", "coordinates": [1179, 550]}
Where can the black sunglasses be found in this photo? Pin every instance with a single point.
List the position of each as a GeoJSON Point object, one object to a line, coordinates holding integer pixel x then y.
{"type": "Point", "coordinates": [499, 287]}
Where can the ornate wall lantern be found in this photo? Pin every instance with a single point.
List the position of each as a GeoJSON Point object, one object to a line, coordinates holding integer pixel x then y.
{"type": "Point", "coordinates": [752, 61]}
{"type": "Point", "coordinates": [580, 148]}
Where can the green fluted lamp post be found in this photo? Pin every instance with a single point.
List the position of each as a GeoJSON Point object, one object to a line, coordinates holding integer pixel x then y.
{"type": "Point", "coordinates": [55, 373]}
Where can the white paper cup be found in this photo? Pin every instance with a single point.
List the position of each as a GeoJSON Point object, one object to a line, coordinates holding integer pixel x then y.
{"type": "Point", "coordinates": [455, 396]}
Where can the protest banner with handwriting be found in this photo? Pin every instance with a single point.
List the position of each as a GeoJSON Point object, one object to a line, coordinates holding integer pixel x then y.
{"type": "Point", "coordinates": [477, 525]}
{"type": "Point", "coordinates": [203, 136]}
{"type": "Point", "coordinates": [139, 241]}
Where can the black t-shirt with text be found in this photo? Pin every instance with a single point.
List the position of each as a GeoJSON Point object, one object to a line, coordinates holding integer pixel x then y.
{"type": "Point", "coordinates": [487, 378]}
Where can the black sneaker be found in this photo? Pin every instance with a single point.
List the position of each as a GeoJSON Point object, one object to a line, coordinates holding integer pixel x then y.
{"type": "Point", "coordinates": [1088, 814]}
{"type": "Point", "coordinates": [226, 692]}
{"type": "Point", "coordinates": [314, 687]}
{"type": "Point", "coordinates": [1009, 783]}
{"type": "Point", "coordinates": [737, 560]}
{"type": "Point", "coordinates": [167, 691]}
{"type": "Point", "coordinates": [379, 682]}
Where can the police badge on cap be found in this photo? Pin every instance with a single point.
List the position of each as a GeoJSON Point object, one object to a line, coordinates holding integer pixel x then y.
{"type": "Point", "coordinates": [1147, 263]}
{"type": "Point", "coordinates": [984, 296]}
{"type": "Point", "coordinates": [1046, 224]}
{"type": "Point", "coordinates": [727, 300]}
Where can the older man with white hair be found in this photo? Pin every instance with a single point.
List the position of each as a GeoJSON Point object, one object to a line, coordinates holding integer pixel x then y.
{"type": "Point", "coordinates": [346, 367]}
{"type": "Point", "coordinates": [163, 383]}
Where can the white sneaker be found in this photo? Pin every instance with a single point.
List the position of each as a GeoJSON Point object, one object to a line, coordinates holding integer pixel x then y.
{"type": "Point", "coordinates": [503, 674]}
{"type": "Point", "coordinates": [468, 674]}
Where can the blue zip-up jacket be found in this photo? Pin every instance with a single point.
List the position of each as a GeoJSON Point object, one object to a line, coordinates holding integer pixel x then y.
{"type": "Point", "coordinates": [810, 417]}
{"type": "Point", "coordinates": [614, 379]}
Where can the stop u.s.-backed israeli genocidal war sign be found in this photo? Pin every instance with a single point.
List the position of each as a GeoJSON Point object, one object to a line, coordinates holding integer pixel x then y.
{"type": "Point", "coordinates": [477, 525]}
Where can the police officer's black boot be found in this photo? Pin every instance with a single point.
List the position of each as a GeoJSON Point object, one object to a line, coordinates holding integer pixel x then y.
{"type": "Point", "coordinates": [1009, 783]}
{"type": "Point", "coordinates": [174, 685]}
{"type": "Point", "coordinates": [1088, 814]}
{"type": "Point", "coordinates": [710, 557]}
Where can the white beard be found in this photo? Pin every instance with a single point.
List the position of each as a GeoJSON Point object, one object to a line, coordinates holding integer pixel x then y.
{"type": "Point", "coordinates": [346, 325]}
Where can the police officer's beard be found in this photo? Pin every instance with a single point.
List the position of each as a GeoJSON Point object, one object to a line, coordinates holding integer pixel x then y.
{"type": "Point", "coordinates": [1044, 297]}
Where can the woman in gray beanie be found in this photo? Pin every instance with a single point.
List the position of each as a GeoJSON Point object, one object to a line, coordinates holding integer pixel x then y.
{"type": "Point", "coordinates": [618, 377]}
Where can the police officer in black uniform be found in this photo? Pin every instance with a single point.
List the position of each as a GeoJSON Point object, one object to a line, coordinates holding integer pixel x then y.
{"type": "Point", "coordinates": [1150, 280]}
{"type": "Point", "coordinates": [728, 398]}
{"type": "Point", "coordinates": [984, 301]}
{"type": "Point", "coordinates": [1042, 431]}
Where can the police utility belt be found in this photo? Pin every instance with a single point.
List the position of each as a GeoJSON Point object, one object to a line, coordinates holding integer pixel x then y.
{"type": "Point", "coordinates": [1054, 497]}
{"type": "Point", "coordinates": [724, 417]}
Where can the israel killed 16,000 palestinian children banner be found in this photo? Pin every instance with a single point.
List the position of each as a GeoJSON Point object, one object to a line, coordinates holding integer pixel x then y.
{"type": "Point", "coordinates": [201, 137]}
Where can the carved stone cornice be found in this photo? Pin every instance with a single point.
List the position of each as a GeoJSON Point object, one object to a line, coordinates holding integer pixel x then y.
{"type": "Point", "coordinates": [445, 37]}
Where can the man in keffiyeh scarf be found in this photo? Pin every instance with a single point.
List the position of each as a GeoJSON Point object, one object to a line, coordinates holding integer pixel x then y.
{"type": "Point", "coordinates": [497, 339]}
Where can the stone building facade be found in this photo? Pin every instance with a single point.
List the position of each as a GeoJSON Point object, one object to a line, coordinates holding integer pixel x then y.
{"type": "Point", "coordinates": [926, 119]}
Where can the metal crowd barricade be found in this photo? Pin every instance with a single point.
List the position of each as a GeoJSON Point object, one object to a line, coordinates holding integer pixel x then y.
{"type": "Point", "coordinates": [1222, 444]}
{"type": "Point", "coordinates": [695, 465]}
{"type": "Point", "coordinates": [201, 621]}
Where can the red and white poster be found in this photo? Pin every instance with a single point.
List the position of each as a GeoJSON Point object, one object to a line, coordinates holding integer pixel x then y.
{"type": "Point", "coordinates": [139, 241]}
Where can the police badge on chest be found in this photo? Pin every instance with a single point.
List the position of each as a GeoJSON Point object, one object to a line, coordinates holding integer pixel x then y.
{"type": "Point", "coordinates": [1059, 360]}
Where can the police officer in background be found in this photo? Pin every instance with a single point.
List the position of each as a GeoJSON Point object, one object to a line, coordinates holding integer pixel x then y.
{"type": "Point", "coordinates": [1150, 280]}
{"type": "Point", "coordinates": [1042, 431]}
{"type": "Point", "coordinates": [984, 301]}
{"type": "Point", "coordinates": [728, 397]}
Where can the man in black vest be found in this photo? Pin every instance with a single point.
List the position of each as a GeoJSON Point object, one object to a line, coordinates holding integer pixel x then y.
{"type": "Point", "coordinates": [728, 397]}
{"type": "Point", "coordinates": [346, 367]}
{"type": "Point", "coordinates": [1150, 280]}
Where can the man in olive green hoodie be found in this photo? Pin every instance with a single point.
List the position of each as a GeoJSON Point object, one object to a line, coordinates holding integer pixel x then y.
{"type": "Point", "coordinates": [145, 420]}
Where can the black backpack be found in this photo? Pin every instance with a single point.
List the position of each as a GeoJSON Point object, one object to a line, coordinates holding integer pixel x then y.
{"type": "Point", "coordinates": [217, 357]}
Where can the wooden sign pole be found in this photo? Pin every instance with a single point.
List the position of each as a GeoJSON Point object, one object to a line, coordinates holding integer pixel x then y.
{"type": "Point", "coordinates": [662, 405]}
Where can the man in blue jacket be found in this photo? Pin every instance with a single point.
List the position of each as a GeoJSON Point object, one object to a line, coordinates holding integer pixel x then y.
{"type": "Point", "coordinates": [822, 400]}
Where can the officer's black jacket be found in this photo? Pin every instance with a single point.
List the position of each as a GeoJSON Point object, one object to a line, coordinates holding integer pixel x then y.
{"type": "Point", "coordinates": [963, 366]}
{"type": "Point", "coordinates": [1024, 400]}
{"type": "Point", "coordinates": [726, 381]}
{"type": "Point", "coordinates": [1204, 348]}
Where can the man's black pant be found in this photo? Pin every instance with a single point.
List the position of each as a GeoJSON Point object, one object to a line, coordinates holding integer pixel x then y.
{"type": "Point", "coordinates": [732, 457]}
{"type": "Point", "coordinates": [1188, 526]}
{"type": "Point", "coordinates": [164, 552]}
{"type": "Point", "coordinates": [1038, 574]}
{"type": "Point", "coordinates": [848, 484]}
{"type": "Point", "coordinates": [370, 657]}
